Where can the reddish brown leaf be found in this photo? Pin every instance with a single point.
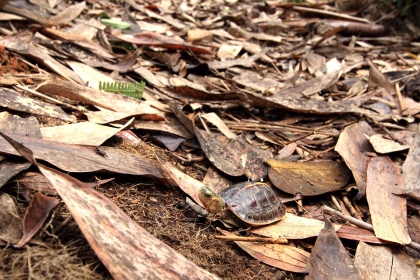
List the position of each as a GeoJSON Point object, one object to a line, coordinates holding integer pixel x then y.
{"type": "Point", "coordinates": [329, 259]}
{"type": "Point", "coordinates": [158, 40]}
{"type": "Point", "coordinates": [359, 234]}
{"type": "Point", "coordinates": [308, 178]}
{"type": "Point", "coordinates": [352, 146]}
{"type": "Point", "coordinates": [389, 212]}
{"type": "Point", "coordinates": [36, 214]}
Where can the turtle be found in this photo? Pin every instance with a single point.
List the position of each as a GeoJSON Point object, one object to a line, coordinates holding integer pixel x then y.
{"type": "Point", "coordinates": [247, 204]}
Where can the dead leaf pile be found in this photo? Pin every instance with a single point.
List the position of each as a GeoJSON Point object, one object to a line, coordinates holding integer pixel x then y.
{"type": "Point", "coordinates": [315, 99]}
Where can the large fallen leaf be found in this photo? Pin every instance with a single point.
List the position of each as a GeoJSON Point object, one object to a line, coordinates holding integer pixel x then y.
{"type": "Point", "coordinates": [352, 145]}
{"type": "Point", "coordinates": [304, 105]}
{"type": "Point", "coordinates": [308, 178]}
{"type": "Point", "coordinates": [17, 102]}
{"type": "Point", "coordinates": [388, 211]}
{"type": "Point", "coordinates": [282, 256]}
{"type": "Point", "coordinates": [329, 259]}
{"type": "Point", "coordinates": [385, 146]}
{"type": "Point", "coordinates": [74, 158]}
{"type": "Point", "coordinates": [293, 227]}
{"type": "Point", "coordinates": [125, 248]}
{"type": "Point", "coordinates": [411, 166]}
{"type": "Point", "coordinates": [36, 214]}
{"type": "Point", "coordinates": [187, 183]}
{"type": "Point", "coordinates": [154, 39]}
{"type": "Point", "coordinates": [233, 156]}
{"type": "Point", "coordinates": [82, 133]}
{"type": "Point", "coordinates": [382, 262]}
{"type": "Point", "coordinates": [111, 101]}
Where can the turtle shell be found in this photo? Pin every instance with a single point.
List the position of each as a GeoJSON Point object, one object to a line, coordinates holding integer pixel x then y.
{"type": "Point", "coordinates": [255, 204]}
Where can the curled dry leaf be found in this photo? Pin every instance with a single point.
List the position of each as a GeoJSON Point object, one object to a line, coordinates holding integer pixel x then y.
{"type": "Point", "coordinates": [308, 178]}
{"type": "Point", "coordinates": [285, 257]}
{"type": "Point", "coordinates": [352, 145]}
{"type": "Point", "coordinates": [36, 214]}
{"type": "Point", "coordinates": [388, 211]}
{"type": "Point", "coordinates": [10, 222]}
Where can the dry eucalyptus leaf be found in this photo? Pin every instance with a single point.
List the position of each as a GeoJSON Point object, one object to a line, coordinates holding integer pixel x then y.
{"type": "Point", "coordinates": [384, 262]}
{"type": "Point", "coordinates": [352, 145]}
{"type": "Point", "coordinates": [188, 184]}
{"type": "Point", "coordinates": [75, 158]}
{"type": "Point", "coordinates": [411, 166]}
{"type": "Point", "coordinates": [308, 178]}
{"type": "Point", "coordinates": [384, 146]}
{"type": "Point", "coordinates": [388, 211]}
{"type": "Point", "coordinates": [329, 259]}
{"type": "Point", "coordinates": [293, 227]}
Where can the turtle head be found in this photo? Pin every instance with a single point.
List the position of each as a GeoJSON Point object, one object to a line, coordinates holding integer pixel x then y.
{"type": "Point", "coordinates": [211, 201]}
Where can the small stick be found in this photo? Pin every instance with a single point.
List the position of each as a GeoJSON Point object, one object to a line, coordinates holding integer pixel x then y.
{"type": "Point", "coordinates": [300, 206]}
{"type": "Point", "coordinates": [334, 200]}
{"type": "Point", "coordinates": [343, 207]}
{"type": "Point", "coordinates": [357, 208]}
{"type": "Point", "coordinates": [361, 224]}
{"type": "Point", "coordinates": [347, 218]}
{"type": "Point", "coordinates": [350, 207]}
{"type": "Point", "coordinates": [253, 239]}
{"type": "Point", "coordinates": [400, 100]}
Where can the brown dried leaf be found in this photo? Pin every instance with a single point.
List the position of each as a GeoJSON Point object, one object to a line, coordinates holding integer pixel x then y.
{"type": "Point", "coordinates": [384, 146]}
{"type": "Point", "coordinates": [293, 227]}
{"type": "Point", "coordinates": [382, 262]}
{"type": "Point", "coordinates": [188, 184]}
{"type": "Point", "coordinates": [329, 259]}
{"type": "Point", "coordinates": [8, 169]}
{"type": "Point", "coordinates": [411, 167]}
{"type": "Point", "coordinates": [153, 39]}
{"type": "Point", "coordinates": [233, 156]}
{"type": "Point", "coordinates": [74, 158]}
{"type": "Point", "coordinates": [388, 211]}
{"type": "Point", "coordinates": [69, 14]}
{"type": "Point", "coordinates": [281, 256]}
{"type": "Point", "coordinates": [352, 145]}
{"type": "Point", "coordinates": [308, 178]}
{"type": "Point", "coordinates": [359, 234]}
{"type": "Point", "coordinates": [111, 101]}
{"type": "Point", "coordinates": [15, 101]}
{"type": "Point", "coordinates": [36, 214]}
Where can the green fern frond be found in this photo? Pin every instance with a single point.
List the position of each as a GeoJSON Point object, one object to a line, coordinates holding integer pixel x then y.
{"type": "Point", "coordinates": [131, 89]}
